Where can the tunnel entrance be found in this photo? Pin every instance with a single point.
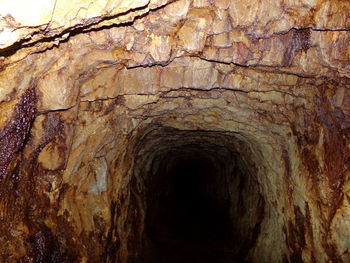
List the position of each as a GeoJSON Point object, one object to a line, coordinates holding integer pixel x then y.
{"type": "Point", "coordinates": [187, 222]}
{"type": "Point", "coordinates": [202, 204]}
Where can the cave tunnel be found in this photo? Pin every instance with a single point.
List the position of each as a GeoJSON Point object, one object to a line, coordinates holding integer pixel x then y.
{"type": "Point", "coordinates": [202, 200]}
{"type": "Point", "coordinates": [152, 131]}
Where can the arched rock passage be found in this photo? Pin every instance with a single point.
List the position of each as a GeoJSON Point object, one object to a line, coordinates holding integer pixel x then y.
{"type": "Point", "coordinates": [200, 197]}
{"type": "Point", "coordinates": [255, 91]}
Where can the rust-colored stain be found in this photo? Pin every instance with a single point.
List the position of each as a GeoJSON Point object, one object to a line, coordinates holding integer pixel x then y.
{"type": "Point", "coordinates": [14, 135]}
{"type": "Point", "coordinates": [294, 41]}
{"type": "Point", "coordinates": [334, 144]}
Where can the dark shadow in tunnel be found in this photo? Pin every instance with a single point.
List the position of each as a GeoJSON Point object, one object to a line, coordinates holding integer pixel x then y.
{"type": "Point", "coordinates": [196, 214]}
{"type": "Point", "coordinates": [187, 219]}
{"type": "Point", "coordinates": [194, 196]}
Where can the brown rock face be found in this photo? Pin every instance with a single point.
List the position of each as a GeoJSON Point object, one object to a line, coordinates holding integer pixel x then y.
{"type": "Point", "coordinates": [175, 131]}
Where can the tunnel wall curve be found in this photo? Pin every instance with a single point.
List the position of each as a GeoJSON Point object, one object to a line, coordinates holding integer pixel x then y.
{"type": "Point", "coordinates": [88, 157]}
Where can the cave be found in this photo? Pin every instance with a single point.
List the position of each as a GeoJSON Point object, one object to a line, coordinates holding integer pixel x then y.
{"type": "Point", "coordinates": [140, 131]}
{"type": "Point", "coordinates": [185, 214]}
{"type": "Point", "coordinates": [202, 200]}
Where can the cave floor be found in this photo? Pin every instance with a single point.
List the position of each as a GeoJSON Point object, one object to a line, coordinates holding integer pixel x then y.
{"type": "Point", "coordinates": [172, 249]}
{"type": "Point", "coordinates": [190, 238]}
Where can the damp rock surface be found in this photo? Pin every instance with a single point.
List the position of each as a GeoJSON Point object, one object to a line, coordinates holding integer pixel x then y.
{"type": "Point", "coordinates": [190, 127]}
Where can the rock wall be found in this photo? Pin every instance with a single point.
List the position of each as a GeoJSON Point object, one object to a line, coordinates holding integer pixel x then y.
{"type": "Point", "coordinates": [93, 94]}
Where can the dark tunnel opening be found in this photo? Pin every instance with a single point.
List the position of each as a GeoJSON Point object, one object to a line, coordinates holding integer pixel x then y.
{"type": "Point", "coordinates": [197, 198]}
{"type": "Point", "coordinates": [195, 207]}
{"type": "Point", "coordinates": [187, 223]}
{"type": "Point", "coordinates": [203, 204]}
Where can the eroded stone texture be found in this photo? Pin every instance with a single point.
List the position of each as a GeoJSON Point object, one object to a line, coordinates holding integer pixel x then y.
{"type": "Point", "coordinates": [92, 95]}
